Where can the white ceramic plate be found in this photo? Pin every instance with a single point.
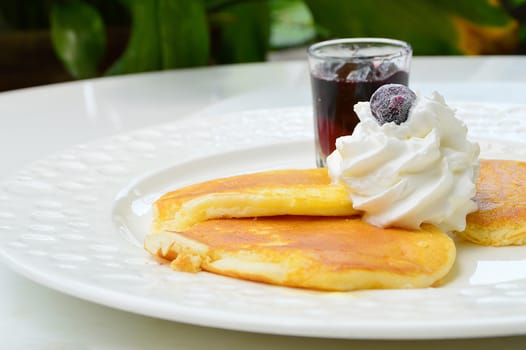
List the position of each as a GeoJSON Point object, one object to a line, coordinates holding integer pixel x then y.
{"type": "Point", "coordinates": [75, 222]}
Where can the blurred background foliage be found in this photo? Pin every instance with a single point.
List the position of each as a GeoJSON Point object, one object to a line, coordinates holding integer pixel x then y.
{"type": "Point", "coordinates": [91, 38]}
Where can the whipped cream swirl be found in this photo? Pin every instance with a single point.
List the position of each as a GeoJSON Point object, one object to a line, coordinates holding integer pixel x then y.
{"type": "Point", "coordinates": [421, 171]}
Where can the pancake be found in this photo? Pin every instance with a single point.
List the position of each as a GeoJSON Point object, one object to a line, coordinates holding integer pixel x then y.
{"type": "Point", "coordinates": [271, 193]}
{"type": "Point", "coordinates": [501, 198]}
{"type": "Point", "coordinates": [322, 253]}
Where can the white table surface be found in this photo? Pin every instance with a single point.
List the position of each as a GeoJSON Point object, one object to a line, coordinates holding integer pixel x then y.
{"type": "Point", "coordinates": [44, 120]}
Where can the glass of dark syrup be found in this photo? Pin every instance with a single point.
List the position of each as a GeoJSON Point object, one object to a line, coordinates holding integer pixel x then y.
{"type": "Point", "coordinates": [344, 72]}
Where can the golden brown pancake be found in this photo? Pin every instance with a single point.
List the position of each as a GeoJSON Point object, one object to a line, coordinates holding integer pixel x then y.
{"type": "Point", "coordinates": [324, 253]}
{"type": "Point", "coordinates": [501, 198]}
{"type": "Point", "coordinates": [281, 192]}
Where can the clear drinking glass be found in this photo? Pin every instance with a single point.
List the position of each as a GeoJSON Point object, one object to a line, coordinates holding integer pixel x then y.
{"type": "Point", "coordinates": [346, 71]}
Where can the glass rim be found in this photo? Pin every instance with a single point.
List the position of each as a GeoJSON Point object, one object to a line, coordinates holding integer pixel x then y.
{"type": "Point", "coordinates": [405, 48]}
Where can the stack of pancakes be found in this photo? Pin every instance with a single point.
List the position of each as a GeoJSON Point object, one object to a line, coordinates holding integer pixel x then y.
{"type": "Point", "coordinates": [294, 228]}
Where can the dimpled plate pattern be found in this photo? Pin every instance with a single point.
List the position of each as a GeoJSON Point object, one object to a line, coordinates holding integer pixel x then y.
{"type": "Point", "coordinates": [74, 221]}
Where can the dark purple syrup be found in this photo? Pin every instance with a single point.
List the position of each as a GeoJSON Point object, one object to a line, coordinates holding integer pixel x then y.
{"type": "Point", "coordinates": [334, 100]}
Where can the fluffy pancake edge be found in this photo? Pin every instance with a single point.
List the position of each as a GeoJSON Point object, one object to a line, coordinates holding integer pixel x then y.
{"type": "Point", "coordinates": [501, 198]}
{"type": "Point", "coordinates": [297, 269]}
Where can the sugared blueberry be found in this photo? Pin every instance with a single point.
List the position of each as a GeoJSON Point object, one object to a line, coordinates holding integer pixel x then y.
{"type": "Point", "coordinates": [391, 103]}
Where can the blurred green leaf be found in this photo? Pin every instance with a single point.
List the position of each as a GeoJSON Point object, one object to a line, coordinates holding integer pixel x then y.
{"type": "Point", "coordinates": [432, 27]}
{"type": "Point", "coordinates": [480, 12]}
{"type": "Point", "coordinates": [78, 36]}
{"type": "Point", "coordinates": [165, 34]}
{"type": "Point", "coordinates": [243, 31]}
{"type": "Point", "coordinates": [292, 23]}
{"type": "Point", "coordinates": [183, 30]}
{"type": "Point", "coordinates": [169, 34]}
{"type": "Point", "coordinates": [213, 5]}
{"type": "Point", "coordinates": [142, 52]}
{"type": "Point", "coordinates": [516, 2]}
